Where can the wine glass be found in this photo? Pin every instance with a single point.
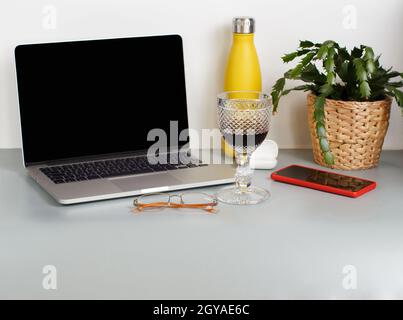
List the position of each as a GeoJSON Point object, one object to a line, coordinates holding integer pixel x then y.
{"type": "Point", "coordinates": [244, 121]}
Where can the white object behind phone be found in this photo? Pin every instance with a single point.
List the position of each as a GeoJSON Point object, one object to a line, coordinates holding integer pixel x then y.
{"type": "Point", "coordinates": [265, 156]}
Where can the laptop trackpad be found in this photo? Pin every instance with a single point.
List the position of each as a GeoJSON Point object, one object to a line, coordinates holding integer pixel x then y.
{"type": "Point", "coordinates": [145, 182]}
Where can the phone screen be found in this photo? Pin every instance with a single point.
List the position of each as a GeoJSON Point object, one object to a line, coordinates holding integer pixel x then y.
{"type": "Point", "coordinates": [324, 178]}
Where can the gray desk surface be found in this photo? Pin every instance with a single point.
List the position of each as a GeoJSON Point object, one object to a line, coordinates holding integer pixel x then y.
{"type": "Point", "coordinates": [293, 246]}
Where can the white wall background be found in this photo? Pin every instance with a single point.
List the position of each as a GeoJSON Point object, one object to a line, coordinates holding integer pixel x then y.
{"type": "Point", "coordinates": [206, 28]}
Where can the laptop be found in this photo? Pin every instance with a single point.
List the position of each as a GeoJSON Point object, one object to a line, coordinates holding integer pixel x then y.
{"type": "Point", "coordinates": [87, 109]}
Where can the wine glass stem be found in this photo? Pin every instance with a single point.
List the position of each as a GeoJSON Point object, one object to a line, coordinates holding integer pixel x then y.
{"type": "Point", "coordinates": [243, 177]}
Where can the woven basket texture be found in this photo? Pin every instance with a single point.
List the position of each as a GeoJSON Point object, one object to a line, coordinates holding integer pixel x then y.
{"type": "Point", "coordinates": [355, 131]}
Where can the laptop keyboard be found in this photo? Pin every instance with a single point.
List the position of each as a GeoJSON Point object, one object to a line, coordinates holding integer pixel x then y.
{"type": "Point", "coordinates": [109, 168]}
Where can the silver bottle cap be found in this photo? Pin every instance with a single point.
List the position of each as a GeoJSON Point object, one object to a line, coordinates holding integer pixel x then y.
{"type": "Point", "coordinates": [243, 25]}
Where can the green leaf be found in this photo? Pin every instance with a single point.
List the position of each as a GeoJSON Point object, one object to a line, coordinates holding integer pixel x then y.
{"type": "Point", "coordinates": [361, 74]}
{"type": "Point", "coordinates": [397, 94]}
{"type": "Point", "coordinates": [320, 130]}
{"type": "Point", "coordinates": [376, 61]}
{"type": "Point", "coordinates": [399, 97]}
{"type": "Point", "coordinates": [296, 71]}
{"type": "Point", "coordinates": [276, 92]}
{"type": "Point", "coordinates": [322, 53]}
{"type": "Point", "coordinates": [287, 74]}
{"type": "Point", "coordinates": [370, 66]}
{"type": "Point", "coordinates": [326, 90]}
{"type": "Point", "coordinates": [289, 57]}
{"type": "Point", "coordinates": [397, 84]}
{"type": "Point", "coordinates": [343, 54]}
{"type": "Point", "coordinates": [381, 77]}
{"type": "Point", "coordinates": [311, 74]}
{"type": "Point", "coordinates": [342, 71]}
{"type": "Point", "coordinates": [360, 71]}
{"type": "Point", "coordinates": [306, 44]}
{"type": "Point", "coordinates": [329, 43]}
{"type": "Point", "coordinates": [369, 59]}
{"type": "Point", "coordinates": [279, 85]}
{"type": "Point", "coordinates": [329, 158]}
{"type": "Point", "coordinates": [393, 74]}
{"type": "Point", "coordinates": [319, 115]}
{"type": "Point", "coordinates": [365, 90]}
{"type": "Point", "coordinates": [331, 53]}
{"type": "Point", "coordinates": [329, 65]}
{"type": "Point", "coordinates": [338, 92]}
{"type": "Point", "coordinates": [330, 78]}
{"type": "Point", "coordinates": [308, 58]}
{"type": "Point", "coordinates": [378, 94]}
{"type": "Point", "coordinates": [368, 53]}
{"type": "Point", "coordinates": [320, 103]}
{"type": "Point", "coordinates": [356, 53]}
{"type": "Point", "coordinates": [304, 87]}
{"type": "Point", "coordinates": [324, 144]}
{"type": "Point", "coordinates": [275, 98]}
{"type": "Point", "coordinates": [324, 49]}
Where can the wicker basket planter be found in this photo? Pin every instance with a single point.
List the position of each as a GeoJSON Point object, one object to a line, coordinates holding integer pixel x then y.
{"type": "Point", "coordinates": [355, 131]}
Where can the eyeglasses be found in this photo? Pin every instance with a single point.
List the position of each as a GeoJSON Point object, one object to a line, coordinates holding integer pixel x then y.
{"type": "Point", "coordinates": [191, 200]}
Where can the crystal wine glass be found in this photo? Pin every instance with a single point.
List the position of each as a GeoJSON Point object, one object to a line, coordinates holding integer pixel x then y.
{"type": "Point", "coordinates": [244, 121]}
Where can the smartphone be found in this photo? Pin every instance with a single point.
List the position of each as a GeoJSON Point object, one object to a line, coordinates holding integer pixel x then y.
{"type": "Point", "coordinates": [324, 181]}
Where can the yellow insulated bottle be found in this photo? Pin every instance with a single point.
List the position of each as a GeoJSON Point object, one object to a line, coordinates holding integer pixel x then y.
{"type": "Point", "coordinates": [243, 69]}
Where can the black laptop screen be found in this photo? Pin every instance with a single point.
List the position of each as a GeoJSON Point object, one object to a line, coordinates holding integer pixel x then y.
{"type": "Point", "coordinates": [97, 97]}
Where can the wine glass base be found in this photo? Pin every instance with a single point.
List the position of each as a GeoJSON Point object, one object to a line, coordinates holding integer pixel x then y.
{"type": "Point", "coordinates": [254, 195]}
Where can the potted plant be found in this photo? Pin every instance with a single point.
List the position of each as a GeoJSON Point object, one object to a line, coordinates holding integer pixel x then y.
{"type": "Point", "coordinates": [349, 101]}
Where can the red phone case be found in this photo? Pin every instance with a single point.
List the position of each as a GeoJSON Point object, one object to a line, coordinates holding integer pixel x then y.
{"type": "Point", "coordinates": [317, 186]}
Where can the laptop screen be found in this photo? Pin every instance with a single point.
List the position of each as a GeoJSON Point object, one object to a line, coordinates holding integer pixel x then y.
{"type": "Point", "coordinates": [97, 97]}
